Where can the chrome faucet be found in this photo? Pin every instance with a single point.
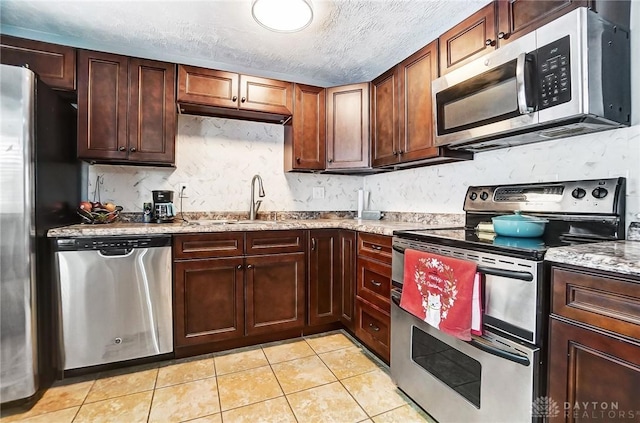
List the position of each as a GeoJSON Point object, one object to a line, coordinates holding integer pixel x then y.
{"type": "Point", "coordinates": [255, 205]}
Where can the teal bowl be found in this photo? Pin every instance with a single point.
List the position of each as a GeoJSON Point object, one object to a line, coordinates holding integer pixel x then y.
{"type": "Point", "coordinates": [519, 226]}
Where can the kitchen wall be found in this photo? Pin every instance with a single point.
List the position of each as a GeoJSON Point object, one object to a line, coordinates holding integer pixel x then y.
{"type": "Point", "coordinates": [216, 159]}
{"type": "Point", "coordinates": [600, 155]}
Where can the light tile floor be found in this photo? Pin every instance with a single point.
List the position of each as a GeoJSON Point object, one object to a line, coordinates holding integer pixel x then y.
{"type": "Point", "coordinates": [322, 378]}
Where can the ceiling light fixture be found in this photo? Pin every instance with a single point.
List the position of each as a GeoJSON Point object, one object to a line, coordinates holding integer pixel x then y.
{"type": "Point", "coordinates": [283, 15]}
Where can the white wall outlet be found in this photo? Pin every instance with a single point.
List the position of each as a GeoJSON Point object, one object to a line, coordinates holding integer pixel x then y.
{"type": "Point", "coordinates": [318, 192]}
{"type": "Point", "coordinates": [182, 190]}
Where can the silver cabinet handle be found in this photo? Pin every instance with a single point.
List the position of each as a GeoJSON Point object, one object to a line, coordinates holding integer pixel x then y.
{"type": "Point", "coordinates": [313, 244]}
{"type": "Point", "coordinates": [520, 85]}
{"type": "Point", "coordinates": [374, 327]}
{"type": "Point", "coordinates": [239, 267]}
{"type": "Point", "coordinates": [377, 247]}
{"type": "Point", "coordinates": [249, 266]}
{"type": "Point", "coordinates": [234, 98]}
{"type": "Point", "coordinates": [375, 283]}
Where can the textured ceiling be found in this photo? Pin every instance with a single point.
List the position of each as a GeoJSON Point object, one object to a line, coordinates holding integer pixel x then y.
{"type": "Point", "coordinates": [348, 41]}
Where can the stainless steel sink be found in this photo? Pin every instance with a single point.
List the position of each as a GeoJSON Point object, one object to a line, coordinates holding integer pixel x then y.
{"type": "Point", "coordinates": [205, 222]}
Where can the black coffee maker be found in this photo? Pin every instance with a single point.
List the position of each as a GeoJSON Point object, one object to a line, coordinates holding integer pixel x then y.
{"type": "Point", "coordinates": [163, 209]}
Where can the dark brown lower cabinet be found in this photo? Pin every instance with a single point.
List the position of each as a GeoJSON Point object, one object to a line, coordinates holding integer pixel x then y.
{"type": "Point", "coordinates": [347, 278]}
{"type": "Point", "coordinates": [324, 275]}
{"type": "Point", "coordinates": [275, 293]}
{"type": "Point", "coordinates": [373, 328]}
{"type": "Point", "coordinates": [592, 374]}
{"type": "Point", "coordinates": [208, 300]}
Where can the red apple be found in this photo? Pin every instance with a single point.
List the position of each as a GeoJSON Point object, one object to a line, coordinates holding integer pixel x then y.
{"type": "Point", "coordinates": [85, 205]}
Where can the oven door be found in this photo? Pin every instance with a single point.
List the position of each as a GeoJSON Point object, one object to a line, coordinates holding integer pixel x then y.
{"type": "Point", "coordinates": [489, 96]}
{"type": "Point", "coordinates": [490, 379]}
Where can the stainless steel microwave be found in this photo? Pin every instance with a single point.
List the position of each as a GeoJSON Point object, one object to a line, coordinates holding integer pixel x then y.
{"type": "Point", "coordinates": [569, 77]}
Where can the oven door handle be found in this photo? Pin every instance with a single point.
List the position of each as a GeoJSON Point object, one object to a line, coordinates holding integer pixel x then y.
{"type": "Point", "coordinates": [398, 249]}
{"type": "Point", "coordinates": [516, 358]}
{"type": "Point", "coordinates": [511, 274]}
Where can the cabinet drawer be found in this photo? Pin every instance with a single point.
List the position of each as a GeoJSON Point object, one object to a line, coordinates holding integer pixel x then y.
{"type": "Point", "coordinates": [377, 247]}
{"type": "Point", "coordinates": [373, 327]}
{"type": "Point", "coordinates": [374, 283]}
{"type": "Point", "coordinates": [606, 302]}
{"type": "Point", "coordinates": [274, 242]}
{"type": "Point", "coordinates": [226, 244]}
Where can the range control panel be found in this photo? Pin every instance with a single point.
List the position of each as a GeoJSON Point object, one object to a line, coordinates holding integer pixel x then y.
{"type": "Point", "coordinates": [111, 243]}
{"type": "Point", "coordinates": [554, 82]}
{"type": "Point", "coordinates": [596, 196]}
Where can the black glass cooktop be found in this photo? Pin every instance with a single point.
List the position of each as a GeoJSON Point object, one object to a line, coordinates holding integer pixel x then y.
{"type": "Point", "coordinates": [532, 248]}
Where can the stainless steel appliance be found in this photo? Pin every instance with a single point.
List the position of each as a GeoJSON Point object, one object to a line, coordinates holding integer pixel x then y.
{"type": "Point", "coordinates": [164, 210]}
{"type": "Point", "coordinates": [570, 77]}
{"type": "Point", "coordinates": [39, 189]}
{"type": "Point", "coordinates": [115, 299]}
{"type": "Point", "coordinates": [497, 376]}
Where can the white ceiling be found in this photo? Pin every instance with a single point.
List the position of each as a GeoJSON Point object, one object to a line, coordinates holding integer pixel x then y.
{"type": "Point", "coordinates": [348, 40]}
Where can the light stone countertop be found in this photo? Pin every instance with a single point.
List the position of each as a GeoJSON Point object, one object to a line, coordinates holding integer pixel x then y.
{"type": "Point", "coordinates": [381, 227]}
{"type": "Point", "coordinates": [615, 256]}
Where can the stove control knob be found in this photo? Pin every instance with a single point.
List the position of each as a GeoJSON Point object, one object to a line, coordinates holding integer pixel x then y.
{"type": "Point", "coordinates": [600, 192]}
{"type": "Point", "coordinates": [484, 195]}
{"type": "Point", "coordinates": [473, 196]}
{"type": "Point", "coordinates": [578, 193]}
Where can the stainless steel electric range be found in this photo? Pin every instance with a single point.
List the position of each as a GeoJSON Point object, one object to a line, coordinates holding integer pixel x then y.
{"type": "Point", "coordinates": [496, 377]}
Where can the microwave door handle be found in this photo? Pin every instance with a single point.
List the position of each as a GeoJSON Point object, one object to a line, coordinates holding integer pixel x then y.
{"type": "Point", "coordinates": [521, 88]}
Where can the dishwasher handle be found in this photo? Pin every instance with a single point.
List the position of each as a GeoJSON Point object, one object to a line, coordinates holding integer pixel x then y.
{"type": "Point", "coordinates": [114, 252]}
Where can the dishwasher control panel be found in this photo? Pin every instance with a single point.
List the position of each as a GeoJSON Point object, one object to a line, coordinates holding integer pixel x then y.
{"type": "Point", "coordinates": [106, 243]}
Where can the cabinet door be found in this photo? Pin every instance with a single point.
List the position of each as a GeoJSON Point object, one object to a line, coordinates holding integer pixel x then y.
{"type": "Point", "coordinates": [518, 17]}
{"type": "Point", "coordinates": [347, 269]}
{"type": "Point", "coordinates": [324, 274]}
{"type": "Point", "coordinates": [207, 87]}
{"type": "Point", "coordinates": [55, 64]}
{"type": "Point", "coordinates": [102, 105]}
{"type": "Point", "coordinates": [348, 126]}
{"type": "Point", "coordinates": [275, 293]}
{"type": "Point", "coordinates": [468, 40]}
{"type": "Point", "coordinates": [416, 112]}
{"type": "Point", "coordinates": [208, 300]}
{"type": "Point", "coordinates": [590, 367]}
{"type": "Point", "coordinates": [152, 111]}
{"type": "Point", "coordinates": [305, 138]}
{"type": "Point", "coordinates": [266, 95]}
{"type": "Point", "coordinates": [384, 119]}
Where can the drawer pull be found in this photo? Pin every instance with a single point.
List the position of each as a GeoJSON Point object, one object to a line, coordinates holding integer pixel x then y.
{"type": "Point", "coordinates": [374, 327]}
{"type": "Point", "coordinates": [376, 247]}
{"type": "Point", "coordinates": [375, 282]}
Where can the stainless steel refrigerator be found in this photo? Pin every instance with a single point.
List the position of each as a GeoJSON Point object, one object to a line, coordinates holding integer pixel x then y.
{"type": "Point", "coordinates": [40, 180]}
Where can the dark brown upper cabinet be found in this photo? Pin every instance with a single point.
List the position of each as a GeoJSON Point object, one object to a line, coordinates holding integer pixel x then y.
{"type": "Point", "coordinates": [468, 40]}
{"type": "Point", "coordinates": [126, 109]}
{"type": "Point", "coordinates": [305, 136]}
{"type": "Point", "coordinates": [217, 93]}
{"type": "Point", "coordinates": [503, 21]}
{"type": "Point", "coordinates": [518, 17]}
{"type": "Point", "coordinates": [384, 119]}
{"type": "Point", "coordinates": [401, 114]}
{"type": "Point", "coordinates": [54, 64]}
{"type": "Point", "coordinates": [348, 127]}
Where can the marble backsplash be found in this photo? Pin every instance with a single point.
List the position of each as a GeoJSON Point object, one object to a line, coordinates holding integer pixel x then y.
{"type": "Point", "coordinates": [441, 189]}
{"type": "Point", "coordinates": [216, 158]}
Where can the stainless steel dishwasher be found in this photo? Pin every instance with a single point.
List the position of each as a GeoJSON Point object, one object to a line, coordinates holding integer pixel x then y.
{"type": "Point", "coordinates": [114, 299]}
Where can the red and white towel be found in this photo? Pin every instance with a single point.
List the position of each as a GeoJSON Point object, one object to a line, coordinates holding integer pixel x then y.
{"type": "Point", "coordinates": [444, 292]}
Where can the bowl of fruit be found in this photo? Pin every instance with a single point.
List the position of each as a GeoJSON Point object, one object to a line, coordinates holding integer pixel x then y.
{"type": "Point", "coordinates": [96, 212]}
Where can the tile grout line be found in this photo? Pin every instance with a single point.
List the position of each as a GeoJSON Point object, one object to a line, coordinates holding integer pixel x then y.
{"type": "Point", "coordinates": [280, 385]}
{"type": "Point", "coordinates": [153, 394]}
{"type": "Point", "coordinates": [215, 372]}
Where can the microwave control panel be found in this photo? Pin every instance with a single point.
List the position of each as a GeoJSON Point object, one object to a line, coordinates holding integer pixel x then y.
{"type": "Point", "coordinates": [554, 74]}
